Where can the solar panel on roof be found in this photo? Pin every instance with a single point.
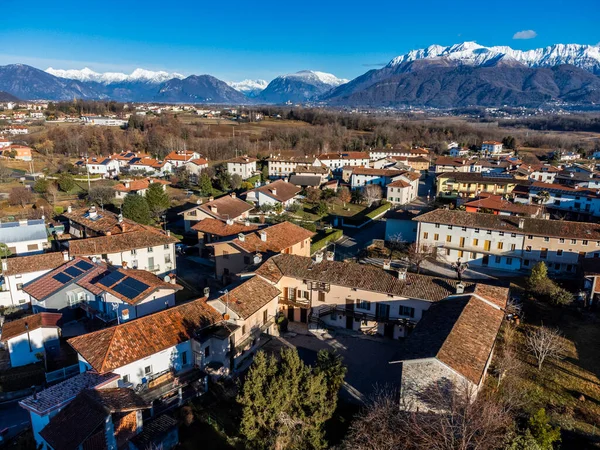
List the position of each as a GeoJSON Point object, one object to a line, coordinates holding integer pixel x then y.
{"type": "Point", "coordinates": [73, 271]}
{"type": "Point", "coordinates": [84, 265]}
{"type": "Point", "coordinates": [62, 278]}
{"type": "Point", "coordinates": [126, 291]}
{"type": "Point", "coordinates": [111, 279]}
{"type": "Point", "coordinates": [134, 284]}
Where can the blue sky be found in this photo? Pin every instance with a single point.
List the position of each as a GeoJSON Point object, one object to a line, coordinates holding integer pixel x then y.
{"type": "Point", "coordinates": [236, 40]}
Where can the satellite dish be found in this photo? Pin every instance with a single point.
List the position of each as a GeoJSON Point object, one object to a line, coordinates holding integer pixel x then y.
{"type": "Point", "coordinates": [167, 279]}
{"type": "Point", "coordinates": [94, 259]}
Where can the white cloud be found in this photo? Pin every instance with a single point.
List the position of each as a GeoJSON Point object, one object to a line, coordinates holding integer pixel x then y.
{"type": "Point", "coordinates": [525, 34]}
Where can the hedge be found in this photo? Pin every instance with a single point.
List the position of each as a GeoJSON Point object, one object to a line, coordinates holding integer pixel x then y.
{"type": "Point", "coordinates": [380, 210]}
{"type": "Point", "coordinates": [333, 235]}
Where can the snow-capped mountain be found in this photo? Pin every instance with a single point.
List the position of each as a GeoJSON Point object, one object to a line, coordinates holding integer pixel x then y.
{"type": "Point", "coordinates": [250, 88]}
{"type": "Point", "coordinates": [470, 53]}
{"type": "Point", "coordinates": [299, 87]}
{"type": "Point", "coordinates": [138, 75]}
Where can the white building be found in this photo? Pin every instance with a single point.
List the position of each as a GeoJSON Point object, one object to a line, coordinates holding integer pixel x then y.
{"type": "Point", "coordinates": [18, 271]}
{"type": "Point", "coordinates": [363, 176]}
{"type": "Point", "coordinates": [106, 167]}
{"type": "Point", "coordinates": [243, 166]}
{"type": "Point", "coordinates": [457, 152]}
{"type": "Point", "coordinates": [381, 153]}
{"type": "Point", "coordinates": [404, 190]}
{"type": "Point", "coordinates": [4, 143]}
{"type": "Point", "coordinates": [196, 166]}
{"type": "Point", "coordinates": [447, 164]}
{"type": "Point", "coordinates": [337, 161]}
{"type": "Point", "coordinates": [103, 121]}
{"type": "Point", "coordinates": [491, 148]}
{"type": "Point", "coordinates": [181, 157]}
{"type": "Point", "coordinates": [152, 167]}
{"type": "Point", "coordinates": [25, 237]}
{"type": "Point", "coordinates": [279, 192]}
{"type": "Point", "coordinates": [26, 339]}
{"type": "Point", "coordinates": [574, 200]}
{"type": "Point", "coordinates": [282, 167]}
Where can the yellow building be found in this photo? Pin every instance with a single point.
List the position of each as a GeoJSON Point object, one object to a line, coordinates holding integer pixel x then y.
{"type": "Point", "coordinates": [468, 185]}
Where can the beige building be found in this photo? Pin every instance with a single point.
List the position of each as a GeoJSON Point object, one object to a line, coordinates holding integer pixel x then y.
{"type": "Point", "coordinates": [469, 185]}
{"type": "Point", "coordinates": [226, 208]}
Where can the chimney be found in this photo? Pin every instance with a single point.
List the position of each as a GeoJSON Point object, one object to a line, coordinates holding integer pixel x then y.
{"type": "Point", "coordinates": [521, 224]}
{"type": "Point", "coordinates": [274, 191]}
{"type": "Point", "coordinates": [263, 236]}
{"type": "Point", "coordinates": [241, 237]}
{"type": "Point", "coordinates": [330, 256]}
{"type": "Point", "coordinates": [4, 266]}
{"type": "Point", "coordinates": [247, 223]}
{"type": "Point", "coordinates": [319, 257]}
{"type": "Point", "coordinates": [387, 264]}
{"type": "Point", "coordinates": [172, 277]}
{"type": "Point", "coordinates": [124, 265]}
{"type": "Point", "coordinates": [460, 288]}
{"type": "Point", "coordinates": [65, 255]}
{"type": "Point", "coordinates": [402, 274]}
{"type": "Point", "coordinates": [211, 198]}
{"type": "Point", "coordinates": [92, 212]}
{"type": "Point", "coordinates": [229, 222]}
{"type": "Point", "coordinates": [127, 184]}
{"type": "Point", "coordinates": [213, 209]}
{"type": "Point", "coordinates": [233, 195]}
{"type": "Point", "coordinates": [69, 209]}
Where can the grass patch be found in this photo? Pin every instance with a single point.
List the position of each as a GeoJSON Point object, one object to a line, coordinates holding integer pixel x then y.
{"type": "Point", "coordinates": [325, 237]}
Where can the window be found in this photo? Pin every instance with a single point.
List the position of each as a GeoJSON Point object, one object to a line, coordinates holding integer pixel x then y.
{"type": "Point", "coordinates": [150, 249]}
{"type": "Point", "coordinates": [562, 241]}
{"type": "Point", "coordinates": [184, 360]}
{"type": "Point", "coordinates": [449, 227]}
{"type": "Point", "coordinates": [31, 247]}
{"type": "Point", "coordinates": [437, 225]}
{"type": "Point", "coordinates": [585, 242]}
{"type": "Point", "coordinates": [447, 252]}
{"type": "Point", "coordinates": [498, 259]}
{"type": "Point", "coordinates": [489, 231]}
{"type": "Point", "coordinates": [464, 228]}
{"type": "Point", "coordinates": [462, 241]}
{"type": "Point", "coordinates": [556, 266]}
{"type": "Point", "coordinates": [19, 286]}
{"type": "Point", "coordinates": [528, 248]}
{"type": "Point", "coordinates": [147, 370]}
{"type": "Point", "coordinates": [509, 261]}
{"type": "Point", "coordinates": [546, 239]}
{"type": "Point", "coordinates": [448, 238]}
{"type": "Point", "coordinates": [526, 262]}
{"type": "Point", "coordinates": [501, 233]}
{"type": "Point", "coordinates": [436, 237]}
{"type": "Point", "coordinates": [573, 241]}
{"type": "Point", "coordinates": [544, 253]}
{"type": "Point", "coordinates": [321, 296]}
{"type": "Point", "coordinates": [302, 244]}
{"type": "Point", "coordinates": [166, 247]}
{"type": "Point", "coordinates": [265, 316]}
{"type": "Point", "coordinates": [569, 268]}
{"type": "Point", "coordinates": [364, 304]}
{"type": "Point", "coordinates": [530, 236]}
{"type": "Point", "coordinates": [125, 378]}
{"type": "Point", "coordinates": [134, 252]}
{"type": "Point", "coordinates": [513, 234]}
{"type": "Point", "coordinates": [168, 259]}
{"type": "Point", "coordinates": [476, 230]}
{"type": "Point", "coordinates": [513, 247]}
{"type": "Point", "coordinates": [475, 242]}
{"type": "Point", "coordinates": [559, 252]}
{"type": "Point", "coordinates": [243, 330]}
{"type": "Point", "coordinates": [207, 351]}
{"type": "Point", "coordinates": [407, 311]}
{"type": "Point", "coordinates": [500, 245]}
{"type": "Point", "coordinates": [425, 235]}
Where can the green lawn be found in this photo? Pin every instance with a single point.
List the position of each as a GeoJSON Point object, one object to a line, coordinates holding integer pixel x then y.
{"type": "Point", "coordinates": [350, 210]}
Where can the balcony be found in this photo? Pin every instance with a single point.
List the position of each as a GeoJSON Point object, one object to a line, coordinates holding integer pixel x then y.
{"type": "Point", "coordinates": [154, 269]}
{"type": "Point", "coordinates": [360, 315]}
{"type": "Point", "coordinates": [295, 302]}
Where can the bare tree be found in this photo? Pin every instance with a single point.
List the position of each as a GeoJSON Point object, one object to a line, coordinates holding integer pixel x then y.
{"type": "Point", "coordinates": [20, 196]}
{"type": "Point", "coordinates": [313, 195]}
{"type": "Point", "coordinates": [371, 193]}
{"type": "Point", "coordinates": [418, 255]}
{"type": "Point", "coordinates": [545, 343]}
{"type": "Point", "coordinates": [51, 192]}
{"type": "Point", "coordinates": [344, 195]}
{"type": "Point", "coordinates": [506, 362]}
{"type": "Point", "coordinates": [5, 173]}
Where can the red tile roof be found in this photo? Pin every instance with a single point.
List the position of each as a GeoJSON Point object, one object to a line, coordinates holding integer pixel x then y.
{"type": "Point", "coordinates": [280, 190]}
{"type": "Point", "coordinates": [344, 155]}
{"type": "Point", "coordinates": [199, 161]}
{"type": "Point", "coordinates": [377, 172]}
{"type": "Point", "coordinates": [30, 323]}
{"type": "Point", "coordinates": [242, 160]}
{"type": "Point", "coordinates": [105, 222]}
{"type": "Point", "coordinates": [137, 185]}
{"type": "Point", "coordinates": [222, 229]}
{"type": "Point", "coordinates": [114, 347]}
{"type": "Point", "coordinates": [224, 208]}
{"type": "Point", "coordinates": [278, 238]}
{"type": "Point", "coordinates": [250, 296]}
{"type": "Point", "coordinates": [143, 237]}
{"type": "Point", "coordinates": [33, 263]}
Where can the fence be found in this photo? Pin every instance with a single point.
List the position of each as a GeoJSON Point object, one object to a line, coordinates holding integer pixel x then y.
{"type": "Point", "coordinates": [62, 374]}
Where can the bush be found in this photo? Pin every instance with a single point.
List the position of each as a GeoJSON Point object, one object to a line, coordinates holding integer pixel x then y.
{"type": "Point", "coordinates": [560, 296]}
{"type": "Point", "coordinates": [310, 226]}
{"type": "Point", "coordinates": [58, 210]}
{"type": "Point", "coordinates": [66, 182]}
{"type": "Point", "coordinates": [379, 210]}
{"type": "Point", "coordinates": [41, 186]}
{"type": "Point", "coordinates": [333, 235]}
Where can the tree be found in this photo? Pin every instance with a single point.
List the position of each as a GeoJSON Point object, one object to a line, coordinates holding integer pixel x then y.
{"type": "Point", "coordinates": [41, 185]}
{"type": "Point", "coordinates": [372, 193]}
{"type": "Point", "coordinates": [20, 196]}
{"type": "Point", "coordinates": [541, 430]}
{"type": "Point", "coordinates": [506, 362]}
{"type": "Point", "coordinates": [264, 173]}
{"type": "Point", "coordinates": [236, 181]}
{"type": "Point", "coordinates": [417, 256]}
{"type": "Point", "coordinates": [321, 209]}
{"type": "Point", "coordinates": [545, 343]}
{"type": "Point", "coordinates": [182, 178]}
{"type": "Point", "coordinates": [313, 195]}
{"type": "Point", "coordinates": [52, 192]}
{"type": "Point", "coordinates": [5, 174]}
{"type": "Point", "coordinates": [224, 180]}
{"type": "Point", "coordinates": [66, 182]}
{"type": "Point", "coordinates": [135, 207]}
{"type": "Point", "coordinates": [344, 195]}
{"type": "Point", "coordinates": [509, 142]}
{"type": "Point", "coordinates": [157, 199]}
{"type": "Point", "coordinates": [331, 364]}
{"type": "Point", "coordinates": [538, 275]}
{"type": "Point", "coordinates": [285, 402]}
{"type": "Point", "coordinates": [101, 195]}
{"type": "Point", "coordinates": [561, 297]}
{"type": "Point", "coordinates": [4, 250]}
{"type": "Point", "coordinates": [205, 184]}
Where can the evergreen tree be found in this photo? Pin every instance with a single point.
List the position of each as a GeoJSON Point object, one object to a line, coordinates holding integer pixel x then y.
{"type": "Point", "coordinates": [331, 365]}
{"type": "Point", "coordinates": [135, 207]}
{"type": "Point", "coordinates": [66, 182]}
{"type": "Point", "coordinates": [41, 186]}
{"type": "Point", "coordinates": [205, 184]}
{"type": "Point", "coordinates": [542, 431]}
{"type": "Point", "coordinates": [157, 199]}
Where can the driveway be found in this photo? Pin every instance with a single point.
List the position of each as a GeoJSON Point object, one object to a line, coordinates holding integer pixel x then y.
{"type": "Point", "coordinates": [366, 357]}
{"type": "Point", "coordinates": [355, 240]}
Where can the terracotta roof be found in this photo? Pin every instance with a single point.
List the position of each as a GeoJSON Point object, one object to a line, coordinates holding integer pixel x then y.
{"type": "Point", "coordinates": [528, 168]}
{"type": "Point", "coordinates": [151, 162]}
{"type": "Point", "coordinates": [459, 332]}
{"type": "Point", "coordinates": [360, 276]}
{"type": "Point", "coordinates": [137, 185]}
{"type": "Point", "coordinates": [227, 208]}
{"type": "Point", "coordinates": [46, 285]}
{"type": "Point", "coordinates": [497, 203]}
{"type": "Point", "coordinates": [242, 160]}
{"type": "Point", "coordinates": [154, 431]}
{"type": "Point", "coordinates": [456, 162]}
{"type": "Point", "coordinates": [62, 393]}
{"type": "Point", "coordinates": [560, 188]}
{"type": "Point", "coordinates": [104, 223]}
{"type": "Point", "coordinates": [30, 323]}
{"type": "Point", "coordinates": [278, 238]}
{"type": "Point", "coordinates": [250, 296]}
{"type": "Point", "coordinates": [343, 155]}
{"type": "Point", "coordinates": [144, 237]}
{"type": "Point", "coordinates": [114, 347]}
{"type": "Point", "coordinates": [33, 263]}
{"type": "Point", "coordinates": [323, 170]}
{"type": "Point", "coordinates": [222, 229]}
{"type": "Point", "coordinates": [179, 156]}
{"type": "Point", "coordinates": [86, 414]}
{"type": "Point", "coordinates": [376, 172]}
{"type": "Point", "coordinates": [284, 191]}
{"type": "Point", "coordinates": [536, 227]}
{"type": "Point", "coordinates": [399, 184]}
{"type": "Point", "coordinates": [492, 142]}
{"type": "Point", "coordinates": [408, 160]}
{"type": "Point", "coordinates": [199, 162]}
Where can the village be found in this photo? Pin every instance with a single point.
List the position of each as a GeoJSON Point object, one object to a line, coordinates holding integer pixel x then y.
{"type": "Point", "coordinates": [135, 285]}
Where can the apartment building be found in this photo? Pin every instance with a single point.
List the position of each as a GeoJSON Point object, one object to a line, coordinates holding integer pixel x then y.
{"type": "Point", "coordinates": [381, 153]}
{"type": "Point", "coordinates": [282, 167]}
{"type": "Point", "coordinates": [363, 176]}
{"type": "Point", "coordinates": [243, 166]}
{"type": "Point", "coordinates": [404, 190]}
{"type": "Point", "coordinates": [458, 152]}
{"type": "Point", "coordinates": [446, 164]}
{"type": "Point", "coordinates": [507, 242]}
{"type": "Point", "coordinates": [491, 149]}
{"type": "Point", "coordinates": [537, 172]}
{"type": "Point", "coordinates": [468, 185]}
{"type": "Point", "coordinates": [106, 167]}
{"type": "Point", "coordinates": [574, 200]}
{"type": "Point", "coordinates": [337, 161]}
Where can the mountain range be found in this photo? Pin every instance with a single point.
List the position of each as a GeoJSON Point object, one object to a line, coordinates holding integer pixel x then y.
{"type": "Point", "coordinates": [459, 75]}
